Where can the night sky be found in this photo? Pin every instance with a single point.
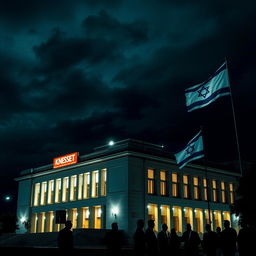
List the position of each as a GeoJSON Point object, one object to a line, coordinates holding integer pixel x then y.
{"type": "Point", "coordinates": [75, 74]}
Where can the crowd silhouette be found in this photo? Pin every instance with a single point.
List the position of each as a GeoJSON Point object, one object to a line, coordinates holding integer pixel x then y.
{"type": "Point", "coordinates": [147, 242]}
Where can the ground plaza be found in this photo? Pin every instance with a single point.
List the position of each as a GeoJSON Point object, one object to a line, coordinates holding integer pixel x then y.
{"type": "Point", "coordinates": [122, 183]}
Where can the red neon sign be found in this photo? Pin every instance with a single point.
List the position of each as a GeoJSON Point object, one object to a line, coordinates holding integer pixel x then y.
{"type": "Point", "coordinates": [65, 160]}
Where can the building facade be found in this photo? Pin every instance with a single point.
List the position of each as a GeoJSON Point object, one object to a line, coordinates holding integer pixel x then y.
{"type": "Point", "coordinates": [122, 183]}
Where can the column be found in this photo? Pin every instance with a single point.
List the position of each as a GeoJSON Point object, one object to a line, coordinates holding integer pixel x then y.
{"type": "Point", "coordinates": [157, 181]}
{"type": "Point", "coordinates": [91, 216]}
{"type": "Point", "coordinates": [194, 218]}
{"type": "Point", "coordinates": [171, 217]}
{"type": "Point", "coordinates": [159, 217]}
{"type": "Point", "coordinates": [183, 219]}
{"type": "Point", "coordinates": [80, 217]}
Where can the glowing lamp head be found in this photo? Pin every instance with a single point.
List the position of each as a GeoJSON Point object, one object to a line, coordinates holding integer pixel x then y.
{"type": "Point", "coordinates": [111, 143]}
{"type": "Point", "coordinates": [7, 198]}
{"type": "Point", "coordinates": [23, 219]}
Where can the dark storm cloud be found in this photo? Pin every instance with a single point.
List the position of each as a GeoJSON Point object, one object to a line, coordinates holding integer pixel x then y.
{"type": "Point", "coordinates": [105, 26]}
{"type": "Point", "coordinates": [60, 51]}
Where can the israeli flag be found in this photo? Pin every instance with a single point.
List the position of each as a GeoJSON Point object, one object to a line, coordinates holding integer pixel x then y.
{"type": "Point", "coordinates": [194, 150]}
{"type": "Point", "coordinates": [205, 93]}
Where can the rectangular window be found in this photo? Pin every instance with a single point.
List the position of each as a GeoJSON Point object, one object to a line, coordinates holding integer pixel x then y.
{"type": "Point", "coordinates": [231, 193]}
{"type": "Point", "coordinates": [199, 221]}
{"type": "Point", "coordinates": [73, 185]}
{"type": "Point", "coordinates": [95, 184]}
{"type": "Point", "coordinates": [36, 194]}
{"type": "Point", "coordinates": [165, 215]}
{"type": "Point", "coordinates": [97, 217]}
{"type": "Point", "coordinates": [196, 187]}
{"type": "Point", "coordinates": [214, 191]}
{"type": "Point", "coordinates": [188, 215]}
{"type": "Point", "coordinates": [185, 186]}
{"type": "Point", "coordinates": [153, 214]}
{"type": "Point", "coordinates": [65, 189]}
{"type": "Point", "coordinates": [86, 185]}
{"type": "Point", "coordinates": [151, 181]}
{"type": "Point", "coordinates": [80, 186]}
{"type": "Point", "coordinates": [163, 183]}
{"type": "Point", "coordinates": [174, 185]}
{"type": "Point", "coordinates": [205, 189]}
{"type": "Point", "coordinates": [103, 182]}
{"type": "Point", "coordinates": [217, 219]}
{"type": "Point", "coordinates": [50, 191]}
{"type": "Point", "coordinates": [86, 215]}
{"type": "Point", "coordinates": [223, 192]}
{"type": "Point", "coordinates": [58, 191]}
{"type": "Point", "coordinates": [177, 219]}
{"type": "Point", "coordinates": [43, 193]}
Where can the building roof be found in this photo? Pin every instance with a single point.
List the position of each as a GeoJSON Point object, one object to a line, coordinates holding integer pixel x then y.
{"type": "Point", "coordinates": [118, 149]}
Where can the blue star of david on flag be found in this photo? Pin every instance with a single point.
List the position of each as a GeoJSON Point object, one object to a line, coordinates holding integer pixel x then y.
{"type": "Point", "coordinates": [205, 93]}
{"type": "Point", "coordinates": [193, 150]}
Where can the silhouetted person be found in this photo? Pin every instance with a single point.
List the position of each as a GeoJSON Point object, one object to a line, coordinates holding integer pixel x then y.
{"type": "Point", "coordinates": [246, 240]}
{"type": "Point", "coordinates": [191, 241]}
{"type": "Point", "coordinates": [228, 239]}
{"type": "Point", "coordinates": [218, 242]}
{"type": "Point", "coordinates": [114, 241]}
{"type": "Point", "coordinates": [174, 243]}
{"type": "Point", "coordinates": [209, 241]}
{"type": "Point", "coordinates": [139, 239]}
{"type": "Point", "coordinates": [163, 240]}
{"type": "Point", "coordinates": [65, 237]}
{"type": "Point", "coordinates": [151, 240]}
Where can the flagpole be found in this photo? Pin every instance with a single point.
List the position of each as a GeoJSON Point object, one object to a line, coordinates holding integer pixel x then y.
{"type": "Point", "coordinates": [234, 118]}
{"type": "Point", "coordinates": [207, 183]}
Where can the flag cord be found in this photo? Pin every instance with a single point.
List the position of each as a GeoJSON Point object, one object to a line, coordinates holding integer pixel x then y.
{"type": "Point", "coordinates": [234, 118]}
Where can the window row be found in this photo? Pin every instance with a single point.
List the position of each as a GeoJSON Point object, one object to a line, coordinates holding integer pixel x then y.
{"type": "Point", "coordinates": [75, 187]}
{"type": "Point", "coordinates": [194, 188]}
{"type": "Point", "coordinates": [85, 217]}
{"type": "Point", "coordinates": [177, 218]}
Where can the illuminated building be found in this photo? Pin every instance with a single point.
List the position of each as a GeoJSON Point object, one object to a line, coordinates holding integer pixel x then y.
{"type": "Point", "coordinates": [123, 182]}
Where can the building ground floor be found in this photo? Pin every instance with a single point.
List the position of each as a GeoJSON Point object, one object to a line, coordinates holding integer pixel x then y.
{"type": "Point", "coordinates": [174, 215]}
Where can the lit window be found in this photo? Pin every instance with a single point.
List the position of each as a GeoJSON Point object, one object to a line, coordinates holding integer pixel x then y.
{"type": "Point", "coordinates": [43, 193]}
{"type": "Point", "coordinates": [103, 182]}
{"type": "Point", "coordinates": [205, 189]}
{"type": "Point", "coordinates": [50, 191]}
{"type": "Point", "coordinates": [217, 219]}
{"type": "Point", "coordinates": [223, 192]}
{"type": "Point", "coordinates": [177, 219]}
{"type": "Point", "coordinates": [214, 191]}
{"type": "Point", "coordinates": [153, 214]}
{"type": "Point", "coordinates": [174, 185]}
{"type": "Point", "coordinates": [65, 189]}
{"type": "Point", "coordinates": [95, 183]}
{"type": "Point", "coordinates": [36, 194]}
{"type": "Point", "coordinates": [80, 186]}
{"type": "Point", "coordinates": [188, 216]}
{"type": "Point", "coordinates": [163, 183]}
{"type": "Point", "coordinates": [196, 187]}
{"type": "Point", "coordinates": [86, 185]}
{"type": "Point", "coordinates": [73, 185]}
{"type": "Point", "coordinates": [97, 217]}
{"type": "Point", "coordinates": [165, 215]}
{"type": "Point", "coordinates": [231, 192]}
{"type": "Point", "coordinates": [151, 181]}
{"type": "Point", "coordinates": [185, 186]}
{"type": "Point", "coordinates": [199, 221]}
{"type": "Point", "coordinates": [58, 191]}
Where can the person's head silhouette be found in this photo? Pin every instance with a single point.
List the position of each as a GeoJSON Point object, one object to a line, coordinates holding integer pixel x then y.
{"type": "Point", "coordinates": [151, 224]}
{"type": "Point", "coordinates": [208, 227]}
{"type": "Point", "coordinates": [114, 226]}
{"type": "Point", "coordinates": [218, 229]}
{"type": "Point", "coordinates": [173, 231]}
{"type": "Point", "coordinates": [164, 227]}
{"type": "Point", "coordinates": [68, 224]}
{"type": "Point", "coordinates": [226, 223]}
{"type": "Point", "coordinates": [140, 223]}
{"type": "Point", "coordinates": [188, 227]}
